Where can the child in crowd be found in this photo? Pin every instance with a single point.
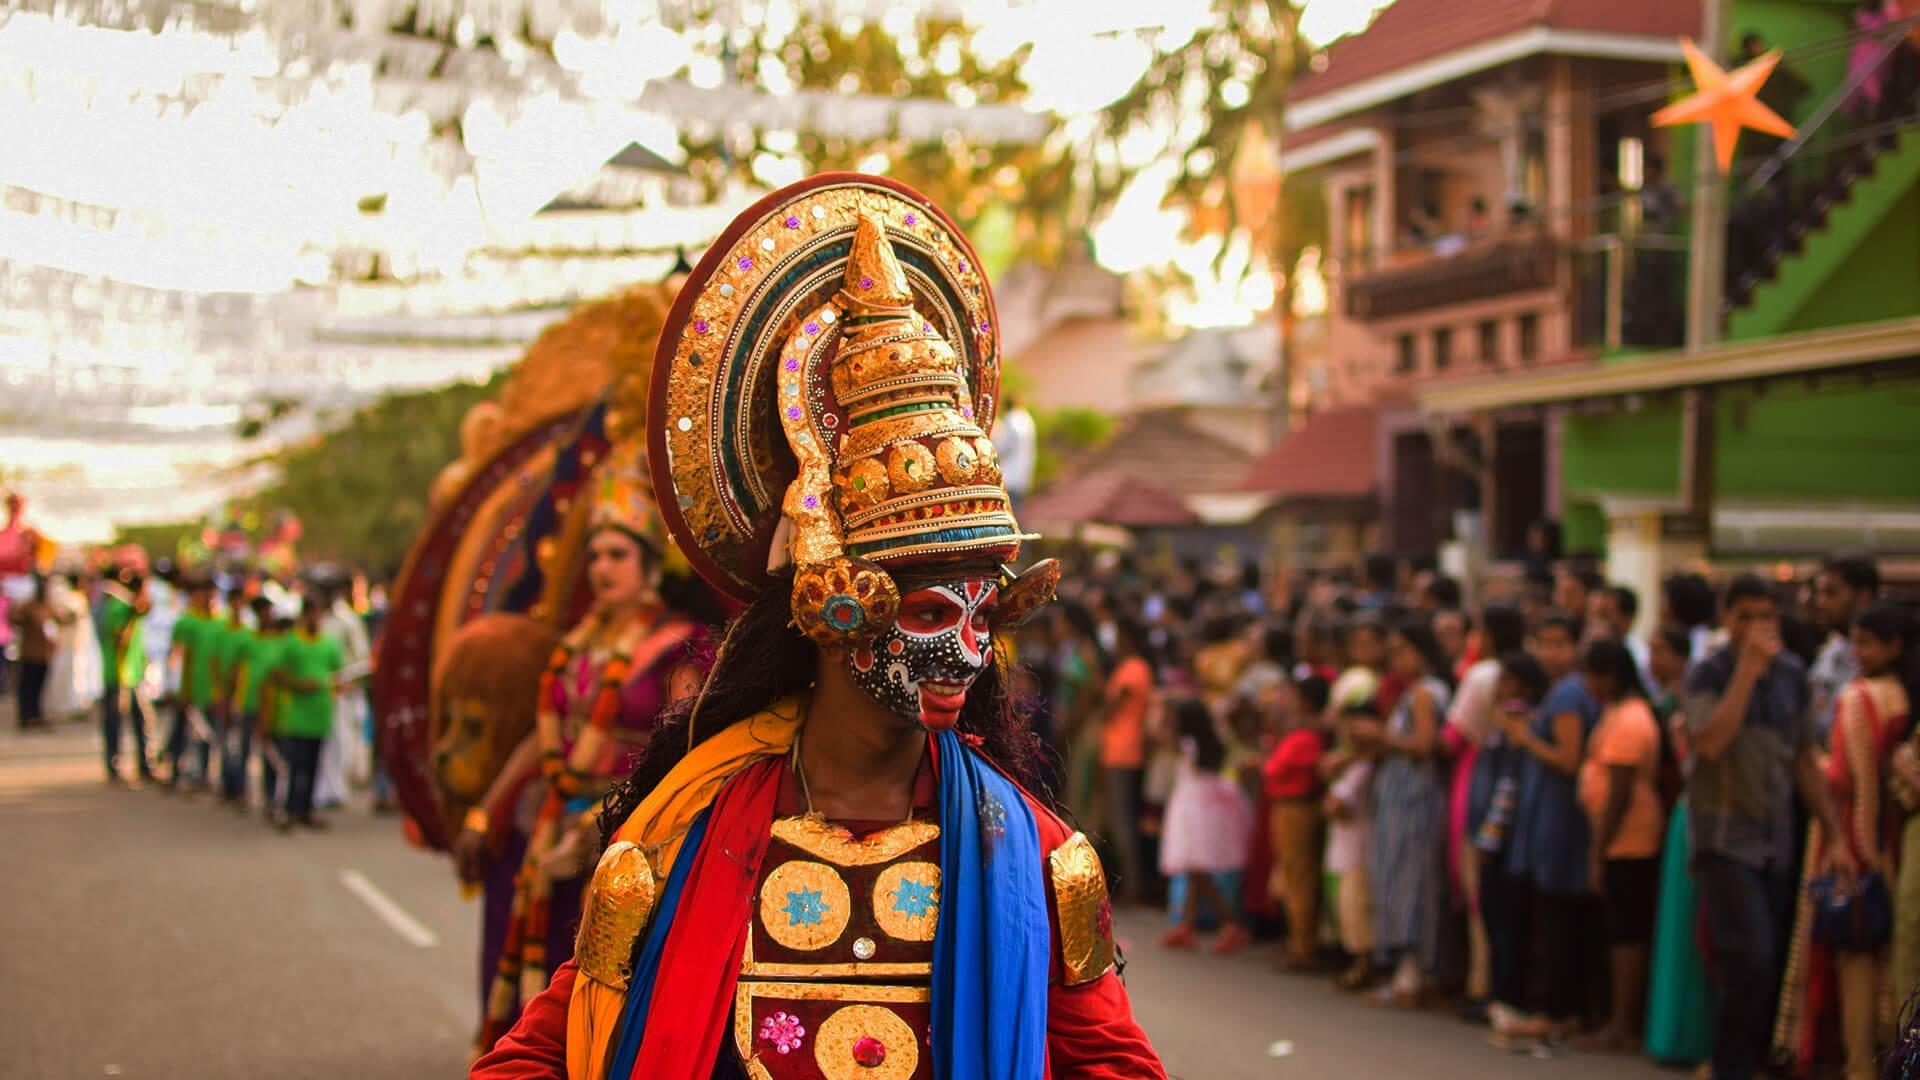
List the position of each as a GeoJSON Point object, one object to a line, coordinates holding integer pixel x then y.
{"type": "Point", "coordinates": [1348, 809]}
{"type": "Point", "coordinates": [1505, 898]}
{"type": "Point", "coordinates": [1207, 832]}
{"type": "Point", "coordinates": [1290, 779]}
{"type": "Point", "coordinates": [1550, 837]}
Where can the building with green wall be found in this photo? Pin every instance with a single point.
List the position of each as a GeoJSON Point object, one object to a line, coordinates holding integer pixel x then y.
{"type": "Point", "coordinates": [1813, 393]}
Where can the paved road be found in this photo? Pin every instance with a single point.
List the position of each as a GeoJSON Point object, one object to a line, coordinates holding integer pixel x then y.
{"type": "Point", "coordinates": [155, 936]}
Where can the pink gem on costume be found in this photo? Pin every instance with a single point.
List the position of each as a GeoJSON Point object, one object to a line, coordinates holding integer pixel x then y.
{"type": "Point", "coordinates": [869, 1052]}
{"type": "Point", "coordinates": [783, 1030]}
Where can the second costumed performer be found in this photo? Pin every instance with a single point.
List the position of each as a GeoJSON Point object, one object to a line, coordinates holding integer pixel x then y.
{"type": "Point", "coordinates": [824, 865]}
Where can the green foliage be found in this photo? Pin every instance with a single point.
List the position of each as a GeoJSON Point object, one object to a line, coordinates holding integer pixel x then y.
{"type": "Point", "coordinates": [1064, 434]}
{"type": "Point", "coordinates": [360, 490]}
{"type": "Point", "coordinates": [169, 538]}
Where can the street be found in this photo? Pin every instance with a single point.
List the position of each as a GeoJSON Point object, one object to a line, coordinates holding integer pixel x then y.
{"type": "Point", "coordinates": [157, 936]}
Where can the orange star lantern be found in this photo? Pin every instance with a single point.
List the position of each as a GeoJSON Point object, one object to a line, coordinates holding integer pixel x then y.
{"type": "Point", "coordinates": [1726, 102]}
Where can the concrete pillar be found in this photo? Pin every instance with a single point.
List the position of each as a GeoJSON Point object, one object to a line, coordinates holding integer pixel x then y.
{"type": "Point", "coordinates": [1644, 545]}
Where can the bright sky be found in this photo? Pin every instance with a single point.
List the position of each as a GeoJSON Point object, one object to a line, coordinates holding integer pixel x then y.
{"type": "Point", "coordinates": [1324, 20]}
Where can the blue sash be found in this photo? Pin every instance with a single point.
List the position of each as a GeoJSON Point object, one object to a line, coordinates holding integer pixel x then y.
{"type": "Point", "coordinates": [993, 945]}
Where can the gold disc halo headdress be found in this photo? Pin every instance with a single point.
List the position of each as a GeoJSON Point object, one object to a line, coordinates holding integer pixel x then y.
{"type": "Point", "coordinates": [822, 395]}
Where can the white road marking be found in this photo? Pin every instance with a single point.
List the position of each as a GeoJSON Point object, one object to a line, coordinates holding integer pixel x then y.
{"type": "Point", "coordinates": [410, 929]}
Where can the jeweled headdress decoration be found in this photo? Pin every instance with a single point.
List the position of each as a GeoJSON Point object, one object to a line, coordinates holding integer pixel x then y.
{"type": "Point", "coordinates": [823, 393]}
{"type": "Point", "coordinates": [623, 499]}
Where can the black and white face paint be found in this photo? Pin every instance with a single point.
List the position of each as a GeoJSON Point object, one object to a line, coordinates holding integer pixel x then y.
{"type": "Point", "coordinates": [921, 667]}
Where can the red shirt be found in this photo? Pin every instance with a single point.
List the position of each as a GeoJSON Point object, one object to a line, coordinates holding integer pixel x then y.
{"type": "Point", "coordinates": [1291, 771]}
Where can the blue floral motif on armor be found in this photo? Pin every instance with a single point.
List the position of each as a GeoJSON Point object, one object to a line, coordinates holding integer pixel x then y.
{"type": "Point", "coordinates": [915, 898]}
{"type": "Point", "coordinates": [805, 907]}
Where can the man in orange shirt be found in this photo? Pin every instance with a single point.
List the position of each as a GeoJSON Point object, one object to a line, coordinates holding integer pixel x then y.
{"type": "Point", "coordinates": [1123, 749]}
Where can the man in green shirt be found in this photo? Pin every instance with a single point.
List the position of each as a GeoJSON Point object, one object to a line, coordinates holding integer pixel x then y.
{"type": "Point", "coordinates": [257, 695]}
{"type": "Point", "coordinates": [307, 665]}
{"type": "Point", "coordinates": [193, 649]}
{"type": "Point", "coordinates": [230, 644]}
{"type": "Point", "coordinates": [123, 662]}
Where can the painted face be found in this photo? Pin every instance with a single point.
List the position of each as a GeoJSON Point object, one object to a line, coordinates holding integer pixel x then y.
{"type": "Point", "coordinates": [922, 666]}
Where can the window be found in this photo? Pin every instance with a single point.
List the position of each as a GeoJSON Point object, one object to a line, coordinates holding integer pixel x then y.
{"type": "Point", "coordinates": [1530, 338]}
{"type": "Point", "coordinates": [1443, 348]}
{"type": "Point", "coordinates": [1357, 238]}
{"type": "Point", "coordinates": [1490, 343]}
{"type": "Point", "coordinates": [1405, 360]}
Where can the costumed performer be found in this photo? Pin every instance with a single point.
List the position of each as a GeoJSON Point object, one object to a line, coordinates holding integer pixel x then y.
{"type": "Point", "coordinates": [825, 866]}
{"type": "Point", "coordinates": [602, 692]}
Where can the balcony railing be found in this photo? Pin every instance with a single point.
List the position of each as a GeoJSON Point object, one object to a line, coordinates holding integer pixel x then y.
{"type": "Point", "coordinates": [1479, 273]}
{"type": "Point", "coordinates": [1630, 291]}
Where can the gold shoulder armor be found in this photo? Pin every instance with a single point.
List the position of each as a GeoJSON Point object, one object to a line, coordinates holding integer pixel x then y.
{"type": "Point", "coordinates": [1086, 918]}
{"type": "Point", "coordinates": [619, 901]}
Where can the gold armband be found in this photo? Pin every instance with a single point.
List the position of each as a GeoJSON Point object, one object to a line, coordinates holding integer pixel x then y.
{"type": "Point", "coordinates": [619, 901]}
{"type": "Point", "coordinates": [1086, 917]}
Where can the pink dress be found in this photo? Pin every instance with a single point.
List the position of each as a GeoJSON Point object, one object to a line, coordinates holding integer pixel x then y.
{"type": "Point", "coordinates": [1209, 823]}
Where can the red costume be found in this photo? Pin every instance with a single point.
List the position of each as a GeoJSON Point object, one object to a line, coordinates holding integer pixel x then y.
{"type": "Point", "coordinates": [1091, 1034]}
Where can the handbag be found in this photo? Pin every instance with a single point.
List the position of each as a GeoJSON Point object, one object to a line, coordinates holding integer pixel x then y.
{"type": "Point", "coordinates": [1851, 919]}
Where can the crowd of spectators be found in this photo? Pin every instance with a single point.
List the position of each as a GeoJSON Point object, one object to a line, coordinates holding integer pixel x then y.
{"type": "Point", "coordinates": [1675, 831]}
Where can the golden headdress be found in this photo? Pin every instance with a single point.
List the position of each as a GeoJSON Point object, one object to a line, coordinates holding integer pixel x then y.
{"type": "Point", "coordinates": [822, 393]}
{"type": "Point", "coordinates": [623, 499]}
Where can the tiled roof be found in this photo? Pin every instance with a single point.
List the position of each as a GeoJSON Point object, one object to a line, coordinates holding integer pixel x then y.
{"type": "Point", "coordinates": [1331, 456]}
{"type": "Point", "coordinates": [1169, 449]}
{"type": "Point", "coordinates": [1105, 497]}
{"type": "Point", "coordinates": [1409, 32]}
{"type": "Point", "coordinates": [1142, 476]}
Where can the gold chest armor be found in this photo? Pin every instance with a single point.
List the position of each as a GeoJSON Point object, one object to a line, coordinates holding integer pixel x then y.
{"type": "Point", "coordinates": [834, 984]}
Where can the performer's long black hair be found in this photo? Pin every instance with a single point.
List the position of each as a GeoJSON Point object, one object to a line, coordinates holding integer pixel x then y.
{"type": "Point", "coordinates": [762, 659]}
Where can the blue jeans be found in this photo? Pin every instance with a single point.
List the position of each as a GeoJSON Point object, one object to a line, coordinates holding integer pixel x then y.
{"type": "Point", "coordinates": [1747, 912]}
{"type": "Point", "coordinates": [113, 700]}
{"type": "Point", "coordinates": [303, 763]}
{"type": "Point", "coordinates": [236, 746]}
{"type": "Point", "coordinates": [272, 791]}
{"type": "Point", "coordinates": [183, 741]}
